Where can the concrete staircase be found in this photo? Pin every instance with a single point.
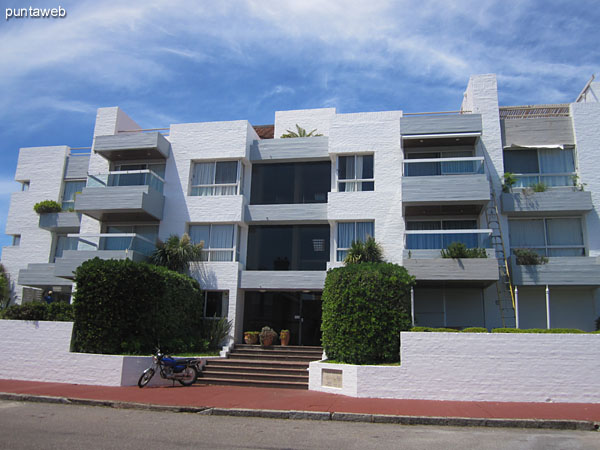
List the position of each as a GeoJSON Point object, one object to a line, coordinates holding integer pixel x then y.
{"type": "Point", "coordinates": [253, 365]}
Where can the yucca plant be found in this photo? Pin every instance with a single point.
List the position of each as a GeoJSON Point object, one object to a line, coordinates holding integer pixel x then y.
{"type": "Point", "coordinates": [300, 132]}
{"type": "Point", "coordinates": [361, 252]}
{"type": "Point", "coordinates": [176, 253]}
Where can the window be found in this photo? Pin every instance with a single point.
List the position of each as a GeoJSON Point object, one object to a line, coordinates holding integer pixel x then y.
{"type": "Point", "coordinates": [457, 162]}
{"type": "Point", "coordinates": [24, 186]}
{"type": "Point", "coordinates": [70, 189]}
{"type": "Point", "coordinates": [434, 241]}
{"type": "Point", "coordinates": [355, 173]}
{"type": "Point", "coordinates": [215, 178]}
{"type": "Point", "coordinates": [217, 241]}
{"type": "Point", "coordinates": [550, 166]}
{"type": "Point", "coordinates": [64, 243]}
{"type": "Point", "coordinates": [216, 304]}
{"type": "Point", "coordinates": [352, 231]}
{"type": "Point", "coordinates": [16, 240]}
{"type": "Point", "coordinates": [548, 236]}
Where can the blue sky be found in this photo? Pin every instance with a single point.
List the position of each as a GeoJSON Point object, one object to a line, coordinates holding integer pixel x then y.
{"type": "Point", "coordinates": [174, 61]}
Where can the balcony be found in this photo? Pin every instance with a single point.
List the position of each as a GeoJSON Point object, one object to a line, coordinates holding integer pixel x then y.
{"type": "Point", "coordinates": [557, 200]}
{"type": "Point", "coordinates": [62, 222]}
{"type": "Point", "coordinates": [132, 146]}
{"type": "Point", "coordinates": [440, 123]}
{"type": "Point", "coordinates": [562, 271]}
{"type": "Point", "coordinates": [282, 280]}
{"type": "Point", "coordinates": [445, 180]}
{"type": "Point", "coordinates": [41, 276]}
{"type": "Point", "coordinates": [422, 256]}
{"type": "Point", "coordinates": [104, 246]}
{"type": "Point", "coordinates": [131, 195]}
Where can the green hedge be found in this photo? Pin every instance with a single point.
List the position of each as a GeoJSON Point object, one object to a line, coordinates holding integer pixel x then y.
{"type": "Point", "coordinates": [47, 206]}
{"type": "Point", "coordinates": [57, 311]}
{"type": "Point", "coordinates": [503, 330]}
{"type": "Point", "coordinates": [128, 307]}
{"type": "Point", "coordinates": [365, 306]}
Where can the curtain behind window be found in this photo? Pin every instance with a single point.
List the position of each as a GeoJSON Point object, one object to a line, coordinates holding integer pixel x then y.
{"type": "Point", "coordinates": [226, 173]}
{"type": "Point", "coordinates": [204, 173]}
{"type": "Point", "coordinates": [556, 160]}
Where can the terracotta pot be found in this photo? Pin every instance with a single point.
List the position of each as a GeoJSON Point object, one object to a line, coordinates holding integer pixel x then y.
{"type": "Point", "coordinates": [251, 338]}
{"type": "Point", "coordinates": [268, 340]}
{"type": "Point", "coordinates": [284, 338]}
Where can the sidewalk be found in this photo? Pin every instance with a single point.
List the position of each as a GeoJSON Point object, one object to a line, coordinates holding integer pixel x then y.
{"type": "Point", "coordinates": [233, 399]}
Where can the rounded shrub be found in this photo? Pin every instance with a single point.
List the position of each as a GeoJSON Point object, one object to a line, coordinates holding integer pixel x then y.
{"type": "Point", "coordinates": [365, 307]}
{"type": "Point", "coordinates": [474, 330]}
{"type": "Point", "coordinates": [47, 206]}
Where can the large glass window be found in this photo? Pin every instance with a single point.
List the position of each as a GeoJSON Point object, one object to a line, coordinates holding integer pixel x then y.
{"type": "Point", "coordinates": [215, 178]}
{"type": "Point", "coordinates": [548, 236]}
{"type": "Point", "coordinates": [348, 232]}
{"type": "Point", "coordinates": [70, 189]}
{"type": "Point", "coordinates": [355, 173]}
{"type": "Point", "coordinates": [288, 247]}
{"type": "Point", "coordinates": [457, 162]}
{"type": "Point", "coordinates": [286, 183]}
{"type": "Point", "coordinates": [217, 241]}
{"type": "Point", "coordinates": [550, 166]}
{"type": "Point", "coordinates": [215, 304]}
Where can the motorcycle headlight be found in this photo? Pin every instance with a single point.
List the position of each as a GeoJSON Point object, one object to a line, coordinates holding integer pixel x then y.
{"type": "Point", "coordinates": [154, 359]}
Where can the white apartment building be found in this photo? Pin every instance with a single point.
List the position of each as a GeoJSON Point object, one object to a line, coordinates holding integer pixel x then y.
{"type": "Point", "coordinates": [275, 214]}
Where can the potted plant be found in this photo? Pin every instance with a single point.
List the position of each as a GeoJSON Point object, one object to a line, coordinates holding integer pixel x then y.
{"type": "Point", "coordinates": [267, 336]}
{"type": "Point", "coordinates": [284, 337]}
{"type": "Point", "coordinates": [251, 337]}
{"type": "Point", "coordinates": [47, 206]}
{"type": "Point", "coordinates": [528, 257]}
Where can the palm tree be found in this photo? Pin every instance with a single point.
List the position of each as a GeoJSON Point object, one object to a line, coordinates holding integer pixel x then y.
{"type": "Point", "coordinates": [176, 254]}
{"type": "Point", "coordinates": [301, 132]}
{"type": "Point", "coordinates": [362, 252]}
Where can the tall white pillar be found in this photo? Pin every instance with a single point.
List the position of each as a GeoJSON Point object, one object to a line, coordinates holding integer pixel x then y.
{"type": "Point", "coordinates": [547, 307]}
{"type": "Point", "coordinates": [516, 307]}
{"type": "Point", "coordinates": [412, 305]}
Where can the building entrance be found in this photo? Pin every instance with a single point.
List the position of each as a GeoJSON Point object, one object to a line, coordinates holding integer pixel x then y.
{"type": "Point", "coordinates": [299, 312]}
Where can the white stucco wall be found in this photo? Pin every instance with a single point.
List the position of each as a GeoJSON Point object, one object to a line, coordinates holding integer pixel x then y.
{"type": "Point", "coordinates": [479, 367]}
{"type": "Point", "coordinates": [43, 167]}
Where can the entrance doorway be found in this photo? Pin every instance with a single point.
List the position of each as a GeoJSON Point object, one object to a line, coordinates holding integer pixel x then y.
{"type": "Point", "coordinates": [299, 312]}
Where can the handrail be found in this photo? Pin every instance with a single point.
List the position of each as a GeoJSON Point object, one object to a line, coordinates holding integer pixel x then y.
{"type": "Point", "coordinates": [461, 231]}
{"type": "Point", "coordinates": [104, 235]}
{"type": "Point", "coordinates": [142, 130]}
{"type": "Point", "coordinates": [428, 160]}
{"type": "Point", "coordinates": [127, 172]}
{"type": "Point", "coordinates": [436, 112]}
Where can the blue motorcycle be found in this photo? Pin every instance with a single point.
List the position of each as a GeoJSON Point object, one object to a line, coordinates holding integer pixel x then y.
{"type": "Point", "coordinates": [184, 370]}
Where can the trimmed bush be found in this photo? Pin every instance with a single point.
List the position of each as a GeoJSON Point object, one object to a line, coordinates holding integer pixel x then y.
{"type": "Point", "coordinates": [434, 330]}
{"type": "Point", "coordinates": [458, 250]}
{"type": "Point", "coordinates": [474, 330]}
{"type": "Point", "coordinates": [57, 312]}
{"type": "Point", "coordinates": [365, 306]}
{"type": "Point", "coordinates": [538, 330]}
{"type": "Point", "coordinates": [127, 307]}
{"type": "Point", "coordinates": [47, 206]}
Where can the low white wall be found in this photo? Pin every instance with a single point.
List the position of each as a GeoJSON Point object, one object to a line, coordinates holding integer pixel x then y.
{"type": "Point", "coordinates": [39, 351]}
{"type": "Point", "coordinates": [477, 367]}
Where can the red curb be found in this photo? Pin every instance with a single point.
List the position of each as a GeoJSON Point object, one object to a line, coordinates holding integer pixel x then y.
{"type": "Point", "coordinates": [291, 399]}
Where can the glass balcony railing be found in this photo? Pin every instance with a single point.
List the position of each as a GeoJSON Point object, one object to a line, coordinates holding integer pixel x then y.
{"type": "Point", "coordinates": [115, 241]}
{"type": "Point", "coordinates": [443, 166]}
{"type": "Point", "coordinates": [440, 239]}
{"type": "Point", "coordinates": [144, 177]}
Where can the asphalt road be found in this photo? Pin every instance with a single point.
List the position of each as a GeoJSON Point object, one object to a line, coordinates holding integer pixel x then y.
{"type": "Point", "coordinates": [51, 426]}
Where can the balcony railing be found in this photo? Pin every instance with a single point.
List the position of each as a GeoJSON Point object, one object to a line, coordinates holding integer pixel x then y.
{"type": "Point", "coordinates": [443, 166]}
{"type": "Point", "coordinates": [440, 239]}
{"type": "Point", "coordinates": [115, 241]}
{"type": "Point", "coordinates": [548, 179]}
{"type": "Point", "coordinates": [144, 177]}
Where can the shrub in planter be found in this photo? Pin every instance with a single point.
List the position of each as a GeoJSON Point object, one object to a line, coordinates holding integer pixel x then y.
{"type": "Point", "coordinates": [251, 337]}
{"type": "Point", "coordinates": [267, 336]}
{"type": "Point", "coordinates": [474, 330]}
{"type": "Point", "coordinates": [47, 206]}
{"type": "Point", "coordinates": [365, 307]}
{"type": "Point", "coordinates": [284, 337]}
{"type": "Point", "coordinates": [124, 306]}
{"type": "Point", "coordinates": [434, 330]}
{"type": "Point", "coordinates": [527, 257]}
{"type": "Point", "coordinates": [457, 250]}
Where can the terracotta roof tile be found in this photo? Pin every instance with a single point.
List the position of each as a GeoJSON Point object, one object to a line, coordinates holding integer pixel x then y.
{"type": "Point", "coordinates": [265, 131]}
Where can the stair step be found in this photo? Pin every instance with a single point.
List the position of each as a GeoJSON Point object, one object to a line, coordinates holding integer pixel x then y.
{"type": "Point", "coordinates": [258, 363]}
{"type": "Point", "coordinates": [282, 347]}
{"type": "Point", "coordinates": [295, 354]}
{"type": "Point", "coordinates": [256, 370]}
{"type": "Point", "coordinates": [255, 383]}
{"type": "Point", "coordinates": [306, 359]}
{"type": "Point", "coordinates": [251, 376]}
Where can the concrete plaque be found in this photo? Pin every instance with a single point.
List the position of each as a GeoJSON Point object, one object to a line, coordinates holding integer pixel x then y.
{"type": "Point", "coordinates": [331, 378]}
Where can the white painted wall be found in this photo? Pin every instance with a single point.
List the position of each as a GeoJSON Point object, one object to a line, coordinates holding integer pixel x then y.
{"type": "Point", "coordinates": [43, 167]}
{"type": "Point", "coordinates": [479, 367]}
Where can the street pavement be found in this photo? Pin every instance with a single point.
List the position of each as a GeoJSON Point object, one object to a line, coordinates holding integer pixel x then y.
{"type": "Point", "coordinates": [27, 425]}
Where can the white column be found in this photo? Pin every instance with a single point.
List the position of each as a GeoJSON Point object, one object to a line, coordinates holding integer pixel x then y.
{"type": "Point", "coordinates": [516, 307]}
{"type": "Point", "coordinates": [412, 305]}
{"type": "Point", "coordinates": [547, 307]}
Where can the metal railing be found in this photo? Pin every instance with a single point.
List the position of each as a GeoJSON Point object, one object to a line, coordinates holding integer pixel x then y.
{"type": "Point", "coordinates": [534, 111]}
{"type": "Point", "coordinates": [565, 179]}
{"type": "Point", "coordinates": [441, 239]}
{"type": "Point", "coordinates": [115, 241]}
{"type": "Point", "coordinates": [145, 177]}
{"type": "Point", "coordinates": [443, 166]}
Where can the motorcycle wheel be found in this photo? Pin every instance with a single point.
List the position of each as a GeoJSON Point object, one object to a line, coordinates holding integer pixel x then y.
{"type": "Point", "coordinates": [190, 376]}
{"type": "Point", "coordinates": [145, 378]}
